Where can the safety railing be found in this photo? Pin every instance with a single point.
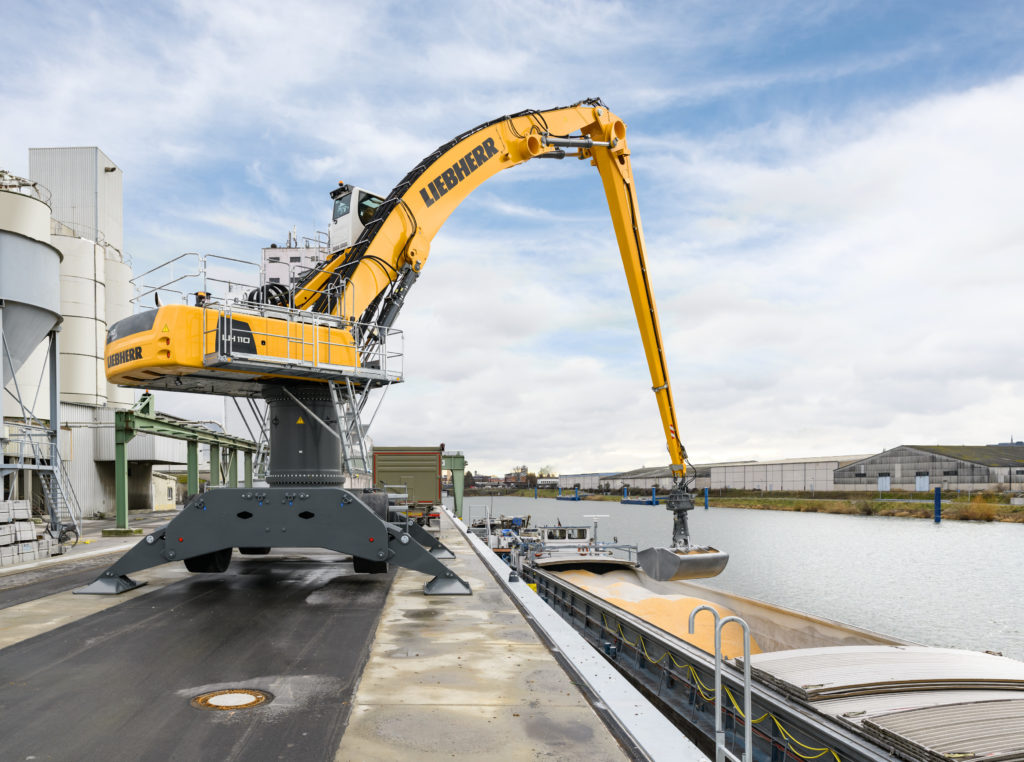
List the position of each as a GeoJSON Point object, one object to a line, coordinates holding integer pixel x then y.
{"type": "Point", "coordinates": [15, 184]}
{"type": "Point", "coordinates": [299, 342]}
{"type": "Point", "coordinates": [252, 325]}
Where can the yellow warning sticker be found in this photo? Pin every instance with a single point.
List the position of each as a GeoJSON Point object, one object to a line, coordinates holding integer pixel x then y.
{"type": "Point", "coordinates": [300, 420]}
{"type": "Point", "coordinates": [165, 329]}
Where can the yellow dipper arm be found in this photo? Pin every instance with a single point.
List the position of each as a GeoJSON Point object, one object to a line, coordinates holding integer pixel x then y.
{"type": "Point", "coordinates": [367, 282]}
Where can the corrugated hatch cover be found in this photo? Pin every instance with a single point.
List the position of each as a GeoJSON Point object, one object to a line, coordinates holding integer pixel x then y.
{"type": "Point", "coordinates": [989, 730]}
{"type": "Point", "coordinates": [810, 674]}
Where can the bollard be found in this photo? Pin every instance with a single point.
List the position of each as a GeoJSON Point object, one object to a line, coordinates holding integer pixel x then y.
{"type": "Point", "coordinates": [705, 498]}
{"type": "Point", "coordinates": [654, 495]}
{"type": "Point", "coordinates": [938, 504]}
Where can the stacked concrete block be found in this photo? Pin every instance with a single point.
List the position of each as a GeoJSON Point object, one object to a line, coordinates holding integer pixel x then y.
{"type": "Point", "coordinates": [27, 551]}
{"type": "Point", "coordinates": [18, 535]}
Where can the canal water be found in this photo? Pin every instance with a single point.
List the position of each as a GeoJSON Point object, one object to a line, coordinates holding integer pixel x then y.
{"type": "Point", "coordinates": [955, 584]}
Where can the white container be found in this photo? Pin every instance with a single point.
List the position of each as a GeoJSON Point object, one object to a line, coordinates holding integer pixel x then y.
{"type": "Point", "coordinates": [5, 512]}
{"type": "Point", "coordinates": [6, 534]}
{"type": "Point", "coordinates": [9, 555]}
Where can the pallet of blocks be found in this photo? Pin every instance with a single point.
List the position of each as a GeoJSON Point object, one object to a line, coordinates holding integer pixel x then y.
{"type": "Point", "coordinates": [18, 541]}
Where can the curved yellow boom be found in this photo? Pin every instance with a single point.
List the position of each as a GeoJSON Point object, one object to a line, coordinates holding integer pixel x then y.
{"type": "Point", "coordinates": [371, 277]}
{"type": "Point", "coordinates": [366, 284]}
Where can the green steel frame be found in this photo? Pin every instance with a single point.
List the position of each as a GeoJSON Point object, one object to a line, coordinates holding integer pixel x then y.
{"type": "Point", "coordinates": [143, 419]}
{"type": "Point", "coordinates": [456, 463]}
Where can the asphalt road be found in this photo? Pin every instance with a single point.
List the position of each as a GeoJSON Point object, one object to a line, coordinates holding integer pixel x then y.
{"type": "Point", "coordinates": [118, 684]}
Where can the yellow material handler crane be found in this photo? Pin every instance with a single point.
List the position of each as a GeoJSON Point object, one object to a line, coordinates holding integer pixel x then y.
{"type": "Point", "coordinates": [312, 346]}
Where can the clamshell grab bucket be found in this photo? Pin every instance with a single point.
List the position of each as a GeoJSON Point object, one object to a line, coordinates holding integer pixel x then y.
{"type": "Point", "coordinates": [664, 564]}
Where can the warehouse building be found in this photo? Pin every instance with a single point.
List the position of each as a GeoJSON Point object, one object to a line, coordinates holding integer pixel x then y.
{"type": "Point", "coordinates": [920, 468]}
{"type": "Point", "coordinates": [658, 477]}
{"type": "Point", "coordinates": [588, 482]}
{"type": "Point", "coordinates": [789, 475]}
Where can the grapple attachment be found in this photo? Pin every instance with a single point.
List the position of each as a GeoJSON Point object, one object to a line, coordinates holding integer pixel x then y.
{"type": "Point", "coordinates": [665, 564]}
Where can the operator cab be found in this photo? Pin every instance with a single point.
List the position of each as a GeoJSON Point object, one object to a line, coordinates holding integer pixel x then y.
{"type": "Point", "coordinates": [353, 208]}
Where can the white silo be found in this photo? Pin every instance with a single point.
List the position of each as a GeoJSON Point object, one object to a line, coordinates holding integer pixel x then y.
{"type": "Point", "coordinates": [29, 295]}
{"type": "Point", "coordinates": [83, 333]}
{"type": "Point", "coordinates": [87, 210]}
{"type": "Point", "coordinates": [118, 305]}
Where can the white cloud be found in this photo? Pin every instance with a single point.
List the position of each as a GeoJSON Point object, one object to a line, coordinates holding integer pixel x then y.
{"type": "Point", "coordinates": [832, 277]}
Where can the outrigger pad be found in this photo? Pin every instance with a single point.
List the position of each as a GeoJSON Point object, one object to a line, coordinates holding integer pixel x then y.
{"type": "Point", "coordinates": [447, 586]}
{"type": "Point", "coordinates": [110, 585]}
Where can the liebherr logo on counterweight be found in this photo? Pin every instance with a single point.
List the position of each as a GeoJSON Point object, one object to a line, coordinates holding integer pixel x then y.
{"type": "Point", "coordinates": [459, 171]}
{"type": "Point", "coordinates": [125, 355]}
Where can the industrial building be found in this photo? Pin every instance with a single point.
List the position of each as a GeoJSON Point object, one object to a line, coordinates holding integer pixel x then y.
{"type": "Point", "coordinates": [64, 279]}
{"type": "Point", "coordinates": [659, 477]}
{"type": "Point", "coordinates": [908, 468]}
{"type": "Point", "coordinates": [920, 468]}
{"type": "Point", "coordinates": [590, 482]}
{"type": "Point", "coordinates": [283, 264]}
{"type": "Point", "coordinates": [791, 474]}
{"type": "Point", "coordinates": [787, 475]}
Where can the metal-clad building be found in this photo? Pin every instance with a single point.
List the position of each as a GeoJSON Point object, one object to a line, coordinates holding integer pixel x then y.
{"type": "Point", "coordinates": [87, 189]}
{"type": "Point", "coordinates": [788, 475]}
{"type": "Point", "coordinates": [590, 482]}
{"type": "Point", "coordinates": [920, 468]}
{"type": "Point", "coordinates": [645, 478]}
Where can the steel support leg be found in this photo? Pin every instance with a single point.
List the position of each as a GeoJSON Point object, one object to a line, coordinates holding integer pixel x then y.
{"type": "Point", "coordinates": [423, 537]}
{"type": "Point", "coordinates": [214, 465]}
{"type": "Point", "coordinates": [121, 480]}
{"type": "Point", "coordinates": [193, 469]}
{"type": "Point", "coordinates": [322, 517]}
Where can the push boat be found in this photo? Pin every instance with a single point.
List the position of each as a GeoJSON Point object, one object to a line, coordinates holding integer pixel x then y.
{"type": "Point", "coordinates": [749, 680]}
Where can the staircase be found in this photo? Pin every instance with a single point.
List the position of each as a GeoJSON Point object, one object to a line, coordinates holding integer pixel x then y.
{"type": "Point", "coordinates": [34, 450]}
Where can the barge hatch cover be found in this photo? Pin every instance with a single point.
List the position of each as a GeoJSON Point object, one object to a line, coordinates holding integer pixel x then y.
{"type": "Point", "coordinates": [810, 674]}
{"type": "Point", "coordinates": [989, 730]}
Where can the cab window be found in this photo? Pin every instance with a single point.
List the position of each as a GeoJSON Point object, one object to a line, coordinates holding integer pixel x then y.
{"type": "Point", "coordinates": [367, 206]}
{"type": "Point", "coordinates": [341, 205]}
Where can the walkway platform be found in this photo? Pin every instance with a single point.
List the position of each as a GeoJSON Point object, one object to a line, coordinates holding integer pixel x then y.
{"type": "Point", "coordinates": [466, 677]}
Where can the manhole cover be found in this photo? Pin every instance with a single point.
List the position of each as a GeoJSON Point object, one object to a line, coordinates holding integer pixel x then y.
{"type": "Point", "coordinates": [231, 698]}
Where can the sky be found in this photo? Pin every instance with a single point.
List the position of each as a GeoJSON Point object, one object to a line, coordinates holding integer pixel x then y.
{"type": "Point", "coordinates": [829, 194]}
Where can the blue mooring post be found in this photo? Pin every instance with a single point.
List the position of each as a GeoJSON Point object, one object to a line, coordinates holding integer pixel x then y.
{"type": "Point", "coordinates": [654, 495]}
{"type": "Point", "coordinates": [577, 493]}
{"type": "Point", "coordinates": [624, 495]}
{"type": "Point", "coordinates": [705, 498]}
{"type": "Point", "coordinates": [938, 504]}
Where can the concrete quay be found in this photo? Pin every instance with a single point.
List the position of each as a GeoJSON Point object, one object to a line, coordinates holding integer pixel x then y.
{"type": "Point", "coordinates": [358, 667]}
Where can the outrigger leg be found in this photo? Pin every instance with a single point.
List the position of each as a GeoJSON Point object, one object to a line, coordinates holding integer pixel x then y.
{"type": "Point", "coordinates": [212, 524]}
{"type": "Point", "coordinates": [437, 548]}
